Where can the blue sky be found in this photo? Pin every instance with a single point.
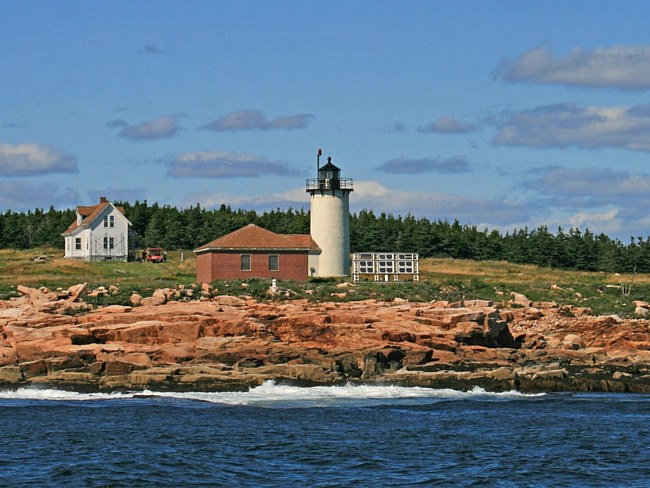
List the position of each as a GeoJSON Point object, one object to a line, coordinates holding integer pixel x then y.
{"type": "Point", "coordinates": [502, 114]}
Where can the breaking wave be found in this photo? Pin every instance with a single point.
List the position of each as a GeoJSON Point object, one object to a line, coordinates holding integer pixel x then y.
{"type": "Point", "coordinates": [270, 395]}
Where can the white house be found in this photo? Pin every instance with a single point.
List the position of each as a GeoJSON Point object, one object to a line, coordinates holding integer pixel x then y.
{"type": "Point", "coordinates": [100, 233]}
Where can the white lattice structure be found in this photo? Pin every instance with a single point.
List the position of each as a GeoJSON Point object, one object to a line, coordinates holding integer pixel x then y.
{"type": "Point", "coordinates": [385, 266]}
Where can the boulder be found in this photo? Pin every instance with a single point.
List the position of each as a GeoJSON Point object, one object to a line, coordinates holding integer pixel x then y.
{"type": "Point", "coordinates": [520, 299]}
{"type": "Point", "coordinates": [33, 368]}
{"type": "Point", "coordinates": [533, 313]}
{"type": "Point", "coordinates": [77, 291]}
{"type": "Point", "coordinates": [116, 309]}
{"type": "Point", "coordinates": [162, 294]}
{"type": "Point", "coordinates": [158, 298]}
{"type": "Point", "coordinates": [26, 290]}
{"type": "Point", "coordinates": [479, 303]}
{"type": "Point", "coordinates": [168, 293]}
{"type": "Point", "coordinates": [502, 374]}
{"type": "Point", "coordinates": [100, 291]}
{"type": "Point", "coordinates": [229, 300]}
{"type": "Point", "coordinates": [11, 313]}
{"type": "Point", "coordinates": [11, 374]}
{"type": "Point", "coordinates": [641, 311]}
{"type": "Point", "coordinates": [136, 299]}
{"type": "Point", "coordinates": [573, 341]}
{"type": "Point", "coordinates": [120, 367]}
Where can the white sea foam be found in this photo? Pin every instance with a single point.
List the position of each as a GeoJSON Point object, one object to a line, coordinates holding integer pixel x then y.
{"type": "Point", "coordinates": [58, 395]}
{"type": "Point", "coordinates": [270, 394]}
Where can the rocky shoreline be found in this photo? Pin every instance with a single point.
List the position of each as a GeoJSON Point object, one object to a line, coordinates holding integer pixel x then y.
{"type": "Point", "coordinates": [217, 343]}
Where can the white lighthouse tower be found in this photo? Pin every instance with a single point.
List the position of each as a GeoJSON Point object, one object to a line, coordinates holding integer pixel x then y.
{"type": "Point", "coordinates": [330, 219]}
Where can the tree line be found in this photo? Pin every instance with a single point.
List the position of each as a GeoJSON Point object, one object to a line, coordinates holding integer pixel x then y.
{"type": "Point", "coordinates": [172, 228]}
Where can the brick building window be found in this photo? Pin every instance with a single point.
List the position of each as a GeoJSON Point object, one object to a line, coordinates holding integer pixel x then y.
{"type": "Point", "coordinates": [274, 262]}
{"type": "Point", "coordinates": [245, 262]}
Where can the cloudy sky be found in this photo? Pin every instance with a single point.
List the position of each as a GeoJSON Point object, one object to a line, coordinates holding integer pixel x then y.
{"type": "Point", "coordinates": [501, 114]}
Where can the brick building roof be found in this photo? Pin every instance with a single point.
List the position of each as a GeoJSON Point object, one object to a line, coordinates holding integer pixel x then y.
{"type": "Point", "coordinates": [255, 237]}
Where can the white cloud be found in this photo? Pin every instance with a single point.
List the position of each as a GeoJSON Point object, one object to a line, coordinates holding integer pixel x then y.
{"type": "Point", "coordinates": [35, 159]}
{"type": "Point", "coordinates": [19, 195]}
{"type": "Point", "coordinates": [449, 124]}
{"type": "Point", "coordinates": [606, 222]}
{"type": "Point", "coordinates": [564, 125]}
{"type": "Point", "coordinates": [454, 164]}
{"type": "Point", "coordinates": [373, 195]}
{"type": "Point", "coordinates": [295, 198]}
{"type": "Point", "coordinates": [612, 202]}
{"type": "Point", "coordinates": [598, 185]}
{"type": "Point", "coordinates": [494, 212]}
{"type": "Point", "coordinates": [247, 120]}
{"type": "Point", "coordinates": [224, 164]}
{"type": "Point", "coordinates": [623, 67]}
{"type": "Point", "coordinates": [608, 215]}
{"type": "Point", "coordinates": [117, 194]}
{"type": "Point", "coordinates": [163, 127]}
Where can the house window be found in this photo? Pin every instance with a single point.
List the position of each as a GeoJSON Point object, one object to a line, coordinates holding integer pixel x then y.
{"type": "Point", "coordinates": [245, 262]}
{"type": "Point", "coordinates": [274, 262]}
{"type": "Point", "coordinates": [77, 243]}
{"type": "Point", "coordinates": [109, 221]}
{"type": "Point", "coordinates": [109, 242]}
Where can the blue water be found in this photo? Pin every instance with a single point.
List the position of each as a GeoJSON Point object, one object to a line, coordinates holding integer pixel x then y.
{"type": "Point", "coordinates": [324, 437]}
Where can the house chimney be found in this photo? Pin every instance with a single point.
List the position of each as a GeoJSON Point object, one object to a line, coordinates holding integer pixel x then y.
{"type": "Point", "coordinates": [102, 199]}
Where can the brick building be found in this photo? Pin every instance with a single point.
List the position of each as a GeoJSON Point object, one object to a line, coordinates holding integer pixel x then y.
{"type": "Point", "coordinates": [254, 252]}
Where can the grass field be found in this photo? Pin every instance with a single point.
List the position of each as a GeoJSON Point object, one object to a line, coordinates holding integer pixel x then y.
{"type": "Point", "coordinates": [19, 268]}
{"type": "Point", "coordinates": [446, 279]}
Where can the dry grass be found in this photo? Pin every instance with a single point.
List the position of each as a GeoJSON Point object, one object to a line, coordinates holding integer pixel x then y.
{"type": "Point", "coordinates": [440, 278]}
{"type": "Point", "coordinates": [19, 268]}
{"type": "Point", "coordinates": [501, 271]}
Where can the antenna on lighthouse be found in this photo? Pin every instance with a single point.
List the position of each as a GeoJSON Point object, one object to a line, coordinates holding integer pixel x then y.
{"type": "Point", "coordinates": [318, 155]}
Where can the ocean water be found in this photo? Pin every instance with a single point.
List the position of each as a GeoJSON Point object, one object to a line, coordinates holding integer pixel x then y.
{"type": "Point", "coordinates": [278, 435]}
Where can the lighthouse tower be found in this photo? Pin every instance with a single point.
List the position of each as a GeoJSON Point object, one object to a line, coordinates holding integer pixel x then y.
{"type": "Point", "coordinates": [330, 219]}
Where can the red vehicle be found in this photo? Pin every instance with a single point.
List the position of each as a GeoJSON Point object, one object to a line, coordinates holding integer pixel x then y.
{"type": "Point", "coordinates": [156, 255]}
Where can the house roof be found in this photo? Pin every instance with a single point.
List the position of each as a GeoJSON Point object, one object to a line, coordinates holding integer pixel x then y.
{"type": "Point", "coordinates": [255, 237]}
{"type": "Point", "coordinates": [90, 213]}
